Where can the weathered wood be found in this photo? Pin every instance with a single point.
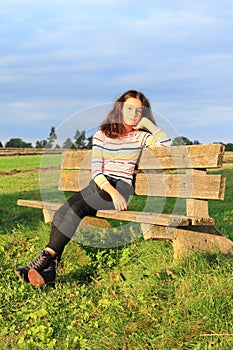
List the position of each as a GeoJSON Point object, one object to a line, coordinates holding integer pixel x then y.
{"type": "Point", "coordinates": [146, 217]}
{"type": "Point", "coordinates": [76, 159]}
{"type": "Point", "coordinates": [196, 207]}
{"type": "Point", "coordinates": [166, 185]}
{"type": "Point", "coordinates": [181, 185]}
{"type": "Point", "coordinates": [73, 180]}
{"type": "Point", "coordinates": [30, 203]}
{"type": "Point", "coordinates": [11, 151]}
{"type": "Point", "coordinates": [186, 240]}
{"type": "Point", "coordinates": [155, 218]}
{"type": "Point", "coordinates": [49, 209]}
{"type": "Point", "coordinates": [179, 157]}
{"type": "Point", "coordinates": [175, 157]}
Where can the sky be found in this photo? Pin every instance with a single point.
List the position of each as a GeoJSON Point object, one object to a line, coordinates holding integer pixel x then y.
{"type": "Point", "coordinates": [60, 59]}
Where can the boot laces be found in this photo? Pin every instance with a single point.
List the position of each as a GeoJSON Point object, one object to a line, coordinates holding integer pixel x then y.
{"type": "Point", "coordinates": [40, 261]}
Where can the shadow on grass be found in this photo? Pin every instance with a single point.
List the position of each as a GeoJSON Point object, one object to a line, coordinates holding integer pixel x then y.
{"type": "Point", "coordinates": [12, 215]}
{"type": "Point", "coordinates": [80, 276]}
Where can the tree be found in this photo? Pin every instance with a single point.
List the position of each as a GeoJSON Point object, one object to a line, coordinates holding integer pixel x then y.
{"type": "Point", "coordinates": [1, 145]}
{"type": "Point", "coordinates": [229, 147]}
{"type": "Point", "coordinates": [89, 142]}
{"type": "Point", "coordinates": [41, 144]}
{"type": "Point", "coordinates": [18, 143]}
{"type": "Point", "coordinates": [181, 140]}
{"type": "Point", "coordinates": [68, 144]}
{"type": "Point", "coordinates": [80, 140]}
{"type": "Point", "coordinates": [196, 142]}
{"type": "Point", "coordinates": [52, 138]}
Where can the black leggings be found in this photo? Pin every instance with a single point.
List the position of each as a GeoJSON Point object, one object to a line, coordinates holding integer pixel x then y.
{"type": "Point", "coordinates": [81, 204]}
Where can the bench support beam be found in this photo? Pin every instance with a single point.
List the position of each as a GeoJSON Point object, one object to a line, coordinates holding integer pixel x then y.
{"type": "Point", "coordinates": [188, 239]}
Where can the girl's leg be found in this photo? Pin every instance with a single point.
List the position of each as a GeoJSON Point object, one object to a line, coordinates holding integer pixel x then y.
{"type": "Point", "coordinates": [65, 223]}
{"type": "Point", "coordinates": [46, 260]}
{"type": "Point", "coordinates": [68, 217]}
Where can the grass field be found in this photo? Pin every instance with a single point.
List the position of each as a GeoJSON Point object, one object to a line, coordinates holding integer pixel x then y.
{"type": "Point", "coordinates": [133, 297]}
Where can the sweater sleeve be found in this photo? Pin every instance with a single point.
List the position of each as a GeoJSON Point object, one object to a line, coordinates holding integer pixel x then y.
{"type": "Point", "coordinates": [158, 139]}
{"type": "Point", "coordinates": [97, 164]}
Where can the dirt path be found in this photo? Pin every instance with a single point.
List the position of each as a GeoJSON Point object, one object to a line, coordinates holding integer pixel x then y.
{"type": "Point", "coordinates": [15, 171]}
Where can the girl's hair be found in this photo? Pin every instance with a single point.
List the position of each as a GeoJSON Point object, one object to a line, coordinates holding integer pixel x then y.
{"type": "Point", "coordinates": [113, 125]}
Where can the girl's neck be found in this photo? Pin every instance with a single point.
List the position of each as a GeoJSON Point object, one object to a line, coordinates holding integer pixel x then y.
{"type": "Point", "coordinates": [128, 128]}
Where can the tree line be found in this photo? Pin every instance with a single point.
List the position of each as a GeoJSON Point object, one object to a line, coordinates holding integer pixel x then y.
{"type": "Point", "coordinates": [182, 140]}
{"type": "Point", "coordinates": [80, 141]}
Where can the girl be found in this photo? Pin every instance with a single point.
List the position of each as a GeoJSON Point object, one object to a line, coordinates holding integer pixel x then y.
{"type": "Point", "coordinates": [128, 128]}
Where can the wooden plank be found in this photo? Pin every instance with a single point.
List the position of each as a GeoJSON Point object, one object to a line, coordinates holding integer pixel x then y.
{"type": "Point", "coordinates": [76, 159]}
{"type": "Point", "coordinates": [155, 218]}
{"type": "Point", "coordinates": [181, 185]}
{"type": "Point", "coordinates": [74, 180]}
{"type": "Point", "coordinates": [30, 203]}
{"type": "Point", "coordinates": [182, 157]}
{"type": "Point", "coordinates": [174, 157]}
{"type": "Point", "coordinates": [146, 217]}
{"type": "Point", "coordinates": [49, 209]}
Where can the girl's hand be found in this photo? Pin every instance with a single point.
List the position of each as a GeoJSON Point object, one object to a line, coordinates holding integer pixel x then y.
{"type": "Point", "coordinates": [141, 124]}
{"type": "Point", "coordinates": [146, 123]}
{"type": "Point", "coordinates": [119, 201]}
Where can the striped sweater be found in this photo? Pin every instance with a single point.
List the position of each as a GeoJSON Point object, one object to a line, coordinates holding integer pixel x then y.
{"type": "Point", "coordinates": [117, 157]}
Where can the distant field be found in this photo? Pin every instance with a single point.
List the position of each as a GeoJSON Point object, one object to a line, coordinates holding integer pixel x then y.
{"type": "Point", "coordinates": [228, 157]}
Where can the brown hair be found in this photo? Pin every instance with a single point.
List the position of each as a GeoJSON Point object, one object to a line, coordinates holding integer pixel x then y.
{"type": "Point", "coordinates": [113, 125]}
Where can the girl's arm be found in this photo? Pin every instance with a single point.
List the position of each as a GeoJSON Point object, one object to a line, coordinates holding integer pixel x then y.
{"type": "Point", "coordinates": [158, 137]}
{"type": "Point", "coordinates": [118, 200]}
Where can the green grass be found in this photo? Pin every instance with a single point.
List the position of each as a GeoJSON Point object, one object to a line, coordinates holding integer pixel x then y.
{"type": "Point", "coordinates": [28, 162]}
{"type": "Point", "coordinates": [133, 297]}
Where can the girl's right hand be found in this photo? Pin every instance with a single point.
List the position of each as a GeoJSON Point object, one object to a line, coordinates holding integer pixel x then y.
{"type": "Point", "coordinates": [119, 201]}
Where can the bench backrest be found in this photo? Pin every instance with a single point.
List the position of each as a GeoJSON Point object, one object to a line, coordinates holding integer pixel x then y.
{"type": "Point", "coordinates": [177, 171]}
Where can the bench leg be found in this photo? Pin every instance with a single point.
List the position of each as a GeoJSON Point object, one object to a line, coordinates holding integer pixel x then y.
{"type": "Point", "coordinates": [48, 215]}
{"type": "Point", "coordinates": [204, 238]}
{"type": "Point", "coordinates": [186, 240]}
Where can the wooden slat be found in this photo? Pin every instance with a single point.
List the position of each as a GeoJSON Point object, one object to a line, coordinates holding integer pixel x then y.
{"type": "Point", "coordinates": [49, 208]}
{"type": "Point", "coordinates": [175, 157]}
{"type": "Point", "coordinates": [181, 185]}
{"type": "Point", "coordinates": [74, 180]}
{"type": "Point", "coordinates": [79, 159]}
{"type": "Point", "coordinates": [30, 203]}
{"type": "Point", "coordinates": [183, 157]}
{"type": "Point", "coordinates": [143, 217]}
{"type": "Point", "coordinates": [166, 185]}
{"type": "Point", "coordinates": [155, 218]}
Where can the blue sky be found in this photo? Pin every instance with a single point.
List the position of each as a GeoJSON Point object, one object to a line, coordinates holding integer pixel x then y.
{"type": "Point", "coordinates": [60, 57]}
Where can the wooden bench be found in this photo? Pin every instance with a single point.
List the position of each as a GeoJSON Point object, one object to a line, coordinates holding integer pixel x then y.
{"type": "Point", "coordinates": [177, 172]}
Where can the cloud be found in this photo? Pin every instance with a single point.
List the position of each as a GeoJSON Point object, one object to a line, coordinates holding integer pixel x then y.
{"type": "Point", "coordinates": [60, 57]}
{"type": "Point", "coordinates": [28, 112]}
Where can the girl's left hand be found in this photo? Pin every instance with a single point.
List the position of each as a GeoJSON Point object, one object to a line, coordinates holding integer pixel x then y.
{"type": "Point", "coordinates": [141, 124]}
{"type": "Point", "coordinates": [146, 123]}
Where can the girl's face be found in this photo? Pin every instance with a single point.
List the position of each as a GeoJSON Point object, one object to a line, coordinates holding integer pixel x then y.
{"type": "Point", "coordinates": [132, 112]}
